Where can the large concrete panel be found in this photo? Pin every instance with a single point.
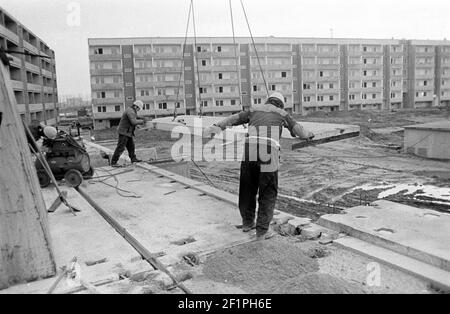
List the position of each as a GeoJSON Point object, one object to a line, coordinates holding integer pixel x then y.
{"type": "Point", "coordinates": [418, 233]}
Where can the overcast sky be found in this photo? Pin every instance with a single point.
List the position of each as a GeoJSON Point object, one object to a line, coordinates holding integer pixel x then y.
{"type": "Point", "coordinates": [55, 22]}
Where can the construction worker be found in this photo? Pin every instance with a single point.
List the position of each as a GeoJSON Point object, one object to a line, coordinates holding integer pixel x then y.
{"type": "Point", "coordinates": [127, 126]}
{"type": "Point", "coordinates": [257, 174]}
{"type": "Point", "coordinates": [38, 131]}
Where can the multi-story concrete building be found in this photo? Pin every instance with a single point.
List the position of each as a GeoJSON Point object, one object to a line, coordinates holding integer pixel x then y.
{"type": "Point", "coordinates": [215, 77]}
{"type": "Point", "coordinates": [33, 78]}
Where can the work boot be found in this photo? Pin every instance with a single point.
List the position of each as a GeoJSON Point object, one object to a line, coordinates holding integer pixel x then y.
{"type": "Point", "coordinates": [135, 160]}
{"type": "Point", "coordinates": [248, 228]}
{"type": "Point", "coordinates": [265, 236]}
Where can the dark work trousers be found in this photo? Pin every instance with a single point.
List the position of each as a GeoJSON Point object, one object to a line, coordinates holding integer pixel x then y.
{"type": "Point", "coordinates": [252, 181]}
{"type": "Point", "coordinates": [124, 142]}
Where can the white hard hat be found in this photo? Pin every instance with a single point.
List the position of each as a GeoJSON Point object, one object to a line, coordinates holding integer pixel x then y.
{"type": "Point", "coordinates": [139, 103]}
{"type": "Point", "coordinates": [278, 96]}
{"type": "Point", "coordinates": [50, 132]}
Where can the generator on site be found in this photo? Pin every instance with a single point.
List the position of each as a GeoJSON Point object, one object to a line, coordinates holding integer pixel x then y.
{"type": "Point", "coordinates": [67, 158]}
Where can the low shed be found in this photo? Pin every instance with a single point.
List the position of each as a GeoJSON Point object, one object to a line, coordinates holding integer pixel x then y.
{"type": "Point", "coordinates": [429, 140]}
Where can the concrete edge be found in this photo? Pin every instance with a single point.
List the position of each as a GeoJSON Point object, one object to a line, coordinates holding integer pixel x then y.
{"type": "Point", "coordinates": [436, 276]}
{"type": "Point", "coordinates": [416, 254]}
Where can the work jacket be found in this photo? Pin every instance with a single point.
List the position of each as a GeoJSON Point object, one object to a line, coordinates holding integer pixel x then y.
{"type": "Point", "coordinates": [128, 122]}
{"type": "Point", "coordinates": [266, 123]}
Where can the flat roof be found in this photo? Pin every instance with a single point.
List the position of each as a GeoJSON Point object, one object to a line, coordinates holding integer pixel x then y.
{"type": "Point", "coordinates": [241, 40]}
{"type": "Point", "coordinates": [443, 125]}
{"type": "Point", "coordinates": [24, 27]}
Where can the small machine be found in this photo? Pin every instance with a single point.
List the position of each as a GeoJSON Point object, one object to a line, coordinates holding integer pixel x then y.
{"type": "Point", "coordinates": [67, 159]}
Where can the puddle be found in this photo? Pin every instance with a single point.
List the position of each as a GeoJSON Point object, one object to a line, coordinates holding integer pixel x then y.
{"type": "Point", "coordinates": [184, 241]}
{"type": "Point", "coordinates": [385, 231]}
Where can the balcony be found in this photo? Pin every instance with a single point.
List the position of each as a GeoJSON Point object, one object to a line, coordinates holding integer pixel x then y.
{"type": "Point", "coordinates": [223, 81]}
{"type": "Point", "coordinates": [32, 67]}
{"type": "Point", "coordinates": [48, 89]}
{"type": "Point", "coordinates": [9, 34]}
{"type": "Point", "coordinates": [224, 68]}
{"type": "Point", "coordinates": [18, 85]}
{"type": "Point", "coordinates": [309, 92]}
{"type": "Point", "coordinates": [107, 115]}
{"type": "Point", "coordinates": [271, 54]}
{"type": "Point", "coordinates": [34, 87]}
{"type": "Point", "coordinates": [308, 53]}
{"type": "Point", "coordinates": [328, 78]}
{"type": "Point", "coordinates": [105, 57]}
{"type": "Point", "coordinates": [309, 66]}
{"type": "Point", "coordinates": [50, 105]}
{"type": "Point", "coordinates": [225, 54]}
{"type": "Point", "coordinates": [150, 70]}
{"type": "Point", "coordinates": [329, 91]}
{"type": "Point", "coordinates": [106, 71]}
{"type": "Point", "coordinates": [328, 66]}
{"type": "Point", "coordinates": [21, 108]}
{"type": "Point", "coordinates": [226, 95]}
{"type": "Point", "coordinates": [166, 55]}
{"type": "Point", "coordinates": [372, 66]}
{"type": "Point", "coordinates": [372, 53]}
{"type": "Point", "coordinates": [15, 61]}
{"type": "Point", "coordinates": [328, 103]}
{"type": "Point", "coordinates": [276, 67]}
{"type": "Point", "coordinates": [105, 101]}
{"type": "Point", "coordinates": [328, 53]}
{"type": "Point", "coordinates": [425, 65]}
{"type": "Point", "coordinates": [371, 89]}
{"type": "Point", "coordinates": [210, 109]}
{"type": "Point", "coordinates": [425, 76]}
{"type": "Point", "coordinates": [428, 88]}
{"type": "Point", "coordinates": [30, 47]}
{"type": "Point", "coordinates": [36, 107]}
{"type": "Point", "coordinates": [47, 73]}
{"type": "Point", "coordinates": [168, 97]}
{"type": "Point", "coordinates": [371, 101]}
{"type": "Point", "coordinates": [430, 53]}
{"type": "Point", "coordinates": [107, 86]}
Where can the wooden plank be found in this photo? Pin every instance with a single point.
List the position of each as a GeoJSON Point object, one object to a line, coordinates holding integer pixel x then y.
{"type": "Point", "coordinates": [330, 139]}
{"type": "Point", "coordinates": [25, 246]}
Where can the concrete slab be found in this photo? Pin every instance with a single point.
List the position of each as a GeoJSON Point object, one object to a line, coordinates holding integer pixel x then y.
{"type": "Point", "coordinates": [170, 216]}
{"type": "Point", "coordinates": [88, 237]}
{"type": "Point", "coordinates": [418, 233]}
{"type": "Point", "coordinates": [195, 125]}
{"type": "Point", "coordinates": [438, 277]}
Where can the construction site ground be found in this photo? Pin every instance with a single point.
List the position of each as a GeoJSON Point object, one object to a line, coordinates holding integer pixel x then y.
{"type": "Point", "coordinates": [329, 177]}
{"type": "Point", "coordinates": [170, 215]}
{"type": "Point", "coordinates": [191, 225]}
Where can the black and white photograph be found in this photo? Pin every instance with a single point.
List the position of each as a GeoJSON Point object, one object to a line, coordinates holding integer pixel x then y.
{"type": "Point", "coordinates": [224, 154]}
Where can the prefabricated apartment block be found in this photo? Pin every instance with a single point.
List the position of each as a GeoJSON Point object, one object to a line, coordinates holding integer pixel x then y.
{"type": "Point", "coordinates": [314, 74]}
{"type": "Point", "coordinates": [33, 78]}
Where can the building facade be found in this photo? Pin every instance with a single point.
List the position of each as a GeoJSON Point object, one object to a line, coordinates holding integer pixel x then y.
{"type": "Point", "coordinates": [215, 77]}
{"type": "Point", "coordinates": [33, 78]}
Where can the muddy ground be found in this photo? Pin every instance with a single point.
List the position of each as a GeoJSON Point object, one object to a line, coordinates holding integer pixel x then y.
{"type": "Point", "coordinates": [324, 179]}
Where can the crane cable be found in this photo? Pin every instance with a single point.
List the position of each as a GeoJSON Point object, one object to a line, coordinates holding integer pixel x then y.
{"type": "Point", "coordinates": [196, 59]}
{"type": "Point", "coordinates": [256, 51]}
{"type": "Point", "coordinates": [235, 54]}
{"type": "Point", "coordinates": [182, 63]}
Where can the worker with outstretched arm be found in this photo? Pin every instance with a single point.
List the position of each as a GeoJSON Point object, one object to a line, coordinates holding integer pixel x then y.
{"type": "Point", "coordinates": [260, 174]}
{"type": "Point", "coordinates": [127, 126]}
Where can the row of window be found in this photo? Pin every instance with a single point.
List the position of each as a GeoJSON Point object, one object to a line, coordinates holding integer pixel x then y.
{"type": "Point", "coordinates": [320, 98]}
{"type": "Point", "coordinates": [307, 86]}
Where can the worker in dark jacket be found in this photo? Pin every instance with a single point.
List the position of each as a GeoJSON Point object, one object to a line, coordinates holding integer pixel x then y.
{"type": "Point", "coordinates": [127, 126]}
{"type": "Point", "coordinates": [259, 168]}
